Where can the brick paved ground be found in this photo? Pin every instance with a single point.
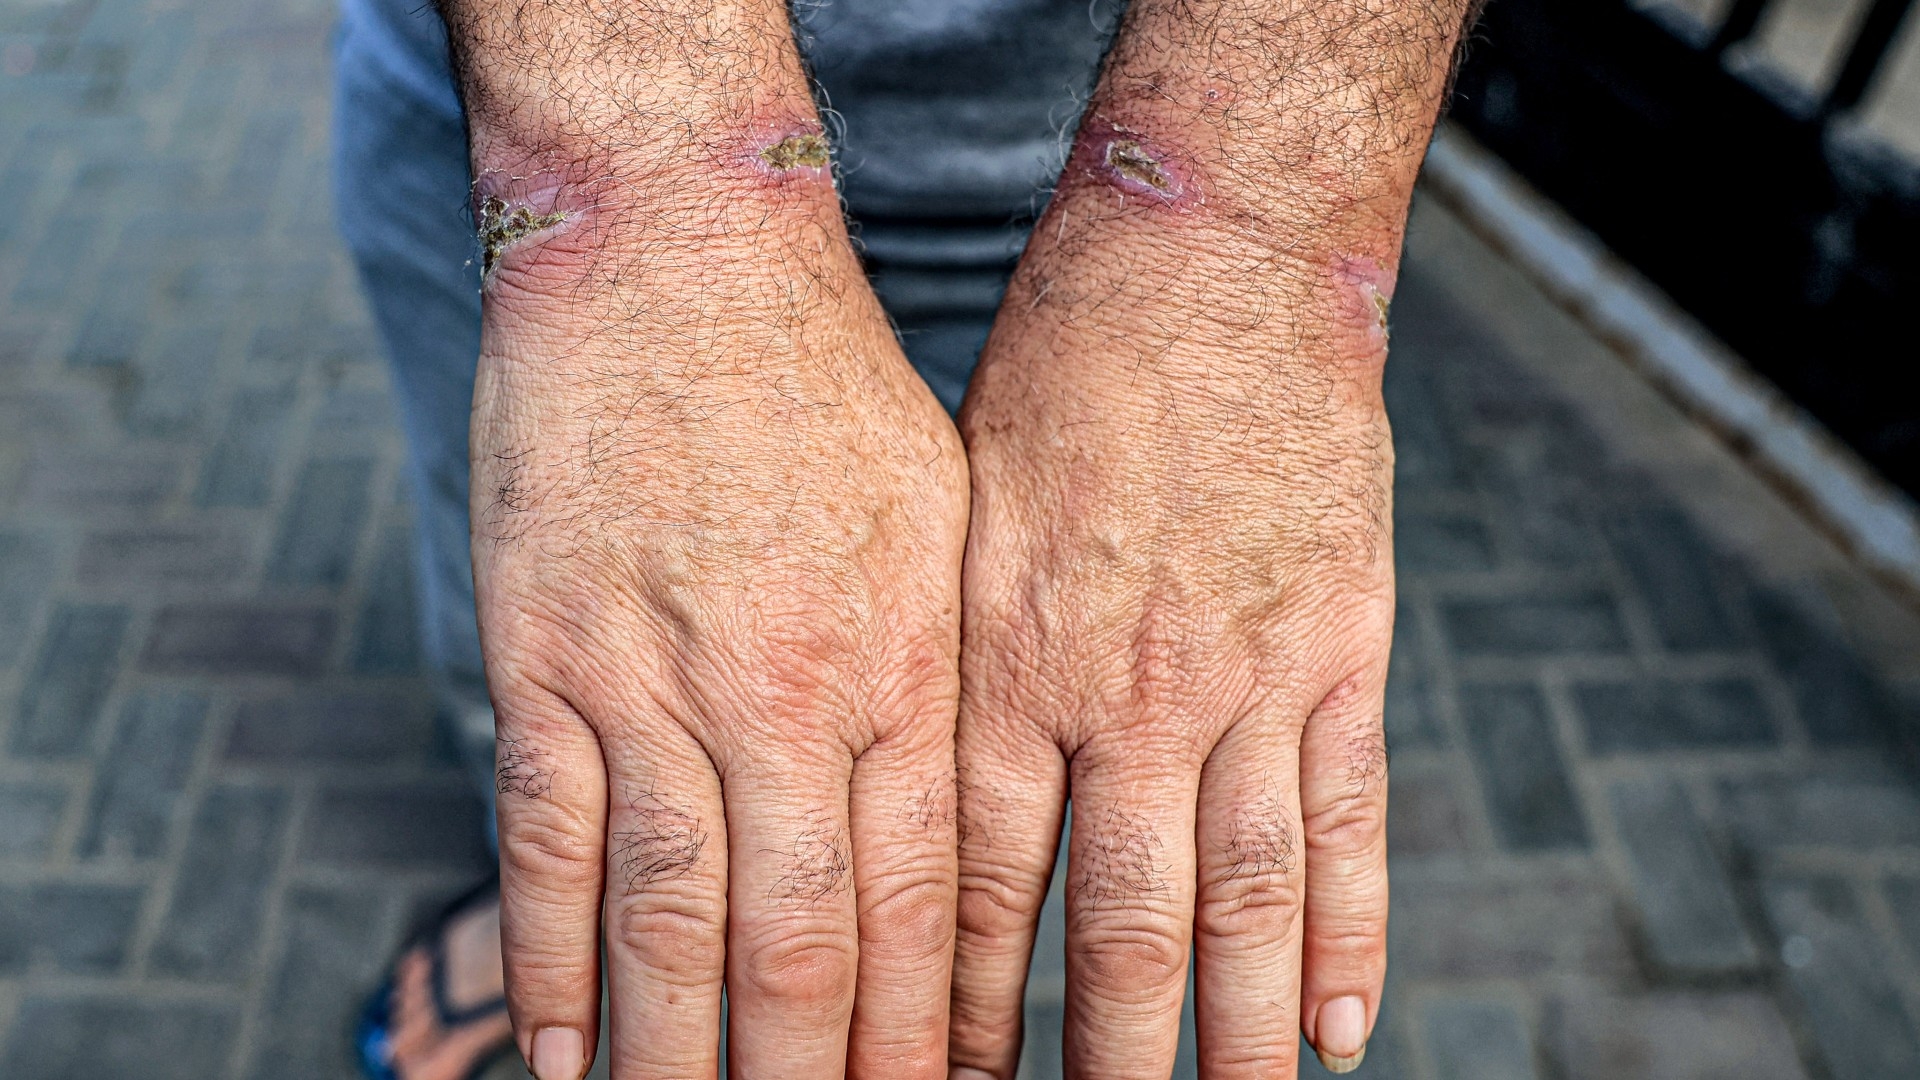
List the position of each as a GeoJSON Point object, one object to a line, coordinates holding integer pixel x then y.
{"type": "Point", "coordinates": [1645, 823]}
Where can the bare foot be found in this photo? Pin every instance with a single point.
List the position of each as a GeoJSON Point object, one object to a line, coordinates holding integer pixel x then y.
{"type": "Point", "coordinates": [426, 1044]}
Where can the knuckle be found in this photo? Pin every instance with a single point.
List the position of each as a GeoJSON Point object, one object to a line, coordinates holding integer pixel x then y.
{"type": "Point", "coordinates": [1138, 958]}
{"type": "Point", "coordinates": [1256, 882]}
{"type": "Point", "coordinates": [803, 969]}
{"type": "Point", "coordinates": [1247, 904]}
{"type": "Point", "coordinates": [684, 940]}
{"type": "Point", "coordinates": [914, 918]}
{"type": "Point", "coordinates": [1352, 822]}
{"type": "Point", "coordinates": [999, 903]}
{"type": "Point", "coordinates": [539, 848]}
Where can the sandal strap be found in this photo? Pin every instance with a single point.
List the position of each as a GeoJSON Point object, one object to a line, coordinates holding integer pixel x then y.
{"type": "Point", "coordinates": [434, 940]}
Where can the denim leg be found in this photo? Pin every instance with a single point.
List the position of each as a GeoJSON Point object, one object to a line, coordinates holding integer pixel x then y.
{"type": "Point", "coordinates": [401, 181]}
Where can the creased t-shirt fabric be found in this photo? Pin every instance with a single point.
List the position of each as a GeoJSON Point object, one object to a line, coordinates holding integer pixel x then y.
{"type": "Point", "coordinates": [951, 108]}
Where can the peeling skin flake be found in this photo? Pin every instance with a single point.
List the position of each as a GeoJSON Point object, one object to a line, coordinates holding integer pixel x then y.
{"type": "Point", "coordinates": [797, 151]}
{"type": "Point", "coordinates": [1126, 157]}
{"type": "Point", "coordinates": [502, 226]}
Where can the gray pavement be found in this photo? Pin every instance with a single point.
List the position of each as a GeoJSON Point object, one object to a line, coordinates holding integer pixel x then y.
{"type": "Point", "coordinates": [1647, 817]}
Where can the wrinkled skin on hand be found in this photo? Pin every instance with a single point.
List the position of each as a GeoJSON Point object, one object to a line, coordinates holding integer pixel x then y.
{"type": "Point", "coordinates": [718, 524]}
{"type": "Point", "coordinates": [1178, 602]}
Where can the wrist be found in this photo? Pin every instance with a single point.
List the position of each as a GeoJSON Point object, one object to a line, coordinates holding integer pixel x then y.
{"type": "Point", "coordinates": [555, 220]}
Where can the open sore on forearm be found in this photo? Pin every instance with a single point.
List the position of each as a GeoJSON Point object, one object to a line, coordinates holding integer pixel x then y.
{"type": "Point", "coordinates": [600, 126]}
{"type": "Point", "coordinates": [1249, 142]}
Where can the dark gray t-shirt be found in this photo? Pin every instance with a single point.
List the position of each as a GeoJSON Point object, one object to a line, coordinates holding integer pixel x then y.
{"type": "Point", "coordinates": [950, 108]}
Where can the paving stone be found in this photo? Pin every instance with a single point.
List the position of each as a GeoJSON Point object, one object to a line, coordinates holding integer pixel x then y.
{"type": "Point", "coordinates": [1529, 796]}
{"type": "Point", "coordinates": [1675, 576]}
{"type": "Point", "coordinates": [175, 376]}
{"type": "Point", "coordinates": [24, 565]}
{"type": "Point", "coordinates": [141, 778]}
{"type": "Point", "coordinates": [238, 639]}
{"type": "Point", "coordinates": [1835, 964]}
{"type": "Point", "coordinates": [1665, 714]}
{"type": "Point", "coordinates": [1838, 701]}
{"type": "Point", "coordinates": [1440, 542]}
{"type": "Point", "coordinates": [1490, 925]}
{"type": "Point", "coordinates": [1425, 453]}
{"type": "Point", "coordinates": [59, 261]}
{"type": "Point", "coordinates": [440, 825]}
{"type": "Point", "coordinates": [320, 533]}
{"type": "Point", "coordinates": [87, 481]}
{"type": "Point", "coordinates": [1687, 907]}
{"type": "Point", "coordinates": [1478, 1040]}
{"type": "Point", "coordinates": [1410, 720]}
{"type": "Point", "coordinates": [292, 346]}
{"type": "Point", "coordinates": [239, 470]}
{"type": "Point", "coordinates": [335, 945]}
{"type": "Point", "coordinates": [1426, 814]}
{"type": "Point", "coordinates": [118, 1038]}
{"type": "Point", "coordinates": [164, 554]}
{"type": "Point", "coordinates": [215, 278]}
{"type": "Point", "coordinates": [1683, 1035]}
{"type": "Point", "coordinates": [316, 727]}
{"type": "Point", "coordinates": [30, 812]}
{"type": "Point", "coordinates": [1542, 519]}
{"type": "Point", "coordinates": [353, 416]}
{"type": "Point", "coordinates": [69, 927]}
{"type": "Point", "coordinates": [386, 640]}
{"type": "Point", "coordinates": [1903, 896]}
{"type": "Point", "coordinates": [61, 701]}
{"type": "Point", "coordinates": [213, 919]}
{"type": "Point", "coordinates": [17, 343]}
{"type": "Point", "coordinates": [1532, 625]}
{"type": "Point", "coordinates": [108, 341]}
{"type": "Point", "coordinates": [1852, 812]}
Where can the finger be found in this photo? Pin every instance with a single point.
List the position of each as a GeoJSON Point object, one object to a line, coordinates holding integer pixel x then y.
{"type": "Point", "coordinates": [1343, 793]}
{"type": "Point", "coordinates": [792, 938]}
{"type": "Point", "coordinates": [1130, 867]}
{"type": "Point", "coordinates": [551, 811]}
{"type": "Point", "coordinates": [666, 909]}
{"type": "Point", "coordinates": [1012, 796]}
{"type": "Point", "coordinates": [1247, 921]}
{"type": "Point", "coordinates": [904, 871]}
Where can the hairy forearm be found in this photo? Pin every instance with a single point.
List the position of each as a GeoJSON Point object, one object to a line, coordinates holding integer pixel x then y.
{"type": "Point", "coordinates": [1241, 178]}
{"type": "Point", "coordinates": [640, 86]}
{"type": "Point", "coordinates": [628, 153]}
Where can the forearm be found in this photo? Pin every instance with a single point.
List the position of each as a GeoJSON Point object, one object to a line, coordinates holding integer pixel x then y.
{"type": "Point", "coordinates": [1241, 175]}
{"type": "Point", "coordinates": [637, 88]}
{"type": "Point", "coordinates": [653, 165]}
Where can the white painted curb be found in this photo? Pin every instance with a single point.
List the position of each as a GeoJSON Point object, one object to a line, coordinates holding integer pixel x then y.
{"type": "Point", "coordinates": [1878, 523]}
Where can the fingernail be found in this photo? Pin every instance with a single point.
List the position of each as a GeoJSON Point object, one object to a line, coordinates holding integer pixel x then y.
{"type": "Point", "coordinates": [1340, 1034]}
{"type": "Point", "coordinates": [558, 1054]}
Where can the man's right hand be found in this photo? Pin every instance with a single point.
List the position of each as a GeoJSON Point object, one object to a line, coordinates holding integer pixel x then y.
{"type": "Point", "coordinates": [718, 524]}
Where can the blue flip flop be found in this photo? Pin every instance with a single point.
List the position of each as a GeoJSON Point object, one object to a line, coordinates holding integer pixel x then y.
{"type": "Point", "coordinates": [373, 1033]}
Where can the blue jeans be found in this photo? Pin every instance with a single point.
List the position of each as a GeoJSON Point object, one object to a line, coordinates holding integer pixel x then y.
{"type": "Point", "coordinates": [400, 181]}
